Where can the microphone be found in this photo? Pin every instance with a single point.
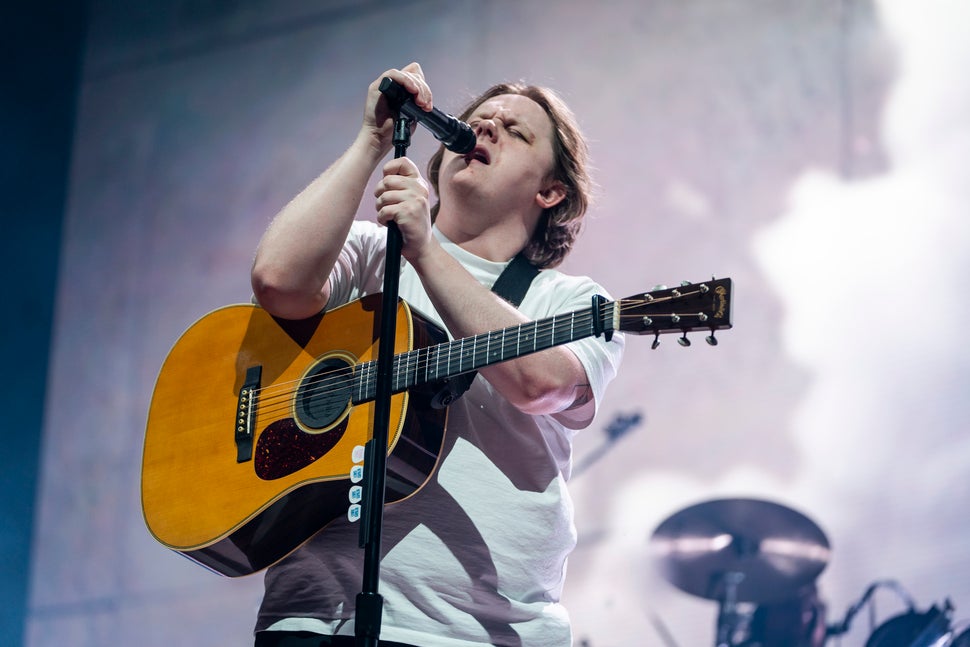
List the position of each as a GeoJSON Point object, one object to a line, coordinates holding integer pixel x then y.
{"type": "Point", "coordinates": [455, 135]}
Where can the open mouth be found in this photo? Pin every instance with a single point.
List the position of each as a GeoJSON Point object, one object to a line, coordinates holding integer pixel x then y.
{"type": "Point", "coordinates": [478, 155]}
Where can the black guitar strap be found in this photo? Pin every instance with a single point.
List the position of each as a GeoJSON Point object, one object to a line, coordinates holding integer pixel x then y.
{"type": "Point", "coordinates": [511, 285]}
{"type": "Point", "coordinates": [515, 279]}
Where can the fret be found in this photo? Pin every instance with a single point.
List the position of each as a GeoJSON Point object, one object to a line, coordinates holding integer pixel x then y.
{"type": "Point", "coordinates": [499, 353]}
{"type": "Point", "coordinates": [437, 360]}
{"type": "Point", "coordinates": [481, 354]}
{"type": "Point", "coordinates": [409, 371]}
{"type": "Point", "coordinates": [357, 381]}
{"type": "Point", "coordinates": [363, 382]}
{"type": "Point", "coordinates": [518, 342]}
{"type": "Point", "coordinates": [399, 368]}
{"type": "Point", "coordinates": [406, 381]}
{"type": "Point", "coordinates": [371, 379]}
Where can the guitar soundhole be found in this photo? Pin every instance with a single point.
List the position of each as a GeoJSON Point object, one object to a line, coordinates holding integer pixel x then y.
{"type": "Point", "coordinates": [324, 393]}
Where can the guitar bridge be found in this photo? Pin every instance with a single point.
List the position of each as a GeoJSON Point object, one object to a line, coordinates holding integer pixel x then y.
{"type": "Point", "coordinates": [246, 414]}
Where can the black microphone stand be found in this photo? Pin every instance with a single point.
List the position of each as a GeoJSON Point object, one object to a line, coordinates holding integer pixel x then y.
{"type": "Point", "coordinates": [367, 627]}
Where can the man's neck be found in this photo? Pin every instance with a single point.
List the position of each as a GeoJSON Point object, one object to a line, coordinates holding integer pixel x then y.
{"type": "Point", "coordinates": [498, 240]}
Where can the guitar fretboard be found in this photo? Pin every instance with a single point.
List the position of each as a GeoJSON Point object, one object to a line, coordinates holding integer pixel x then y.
{"type": "Point", "coordinates": [442, 361]}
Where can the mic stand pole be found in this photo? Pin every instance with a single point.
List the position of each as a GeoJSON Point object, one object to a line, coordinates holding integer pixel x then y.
{"type": "Point", "coordinates": [367, 625]}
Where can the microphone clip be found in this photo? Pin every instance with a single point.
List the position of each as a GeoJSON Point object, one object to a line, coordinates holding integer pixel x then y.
{"type": "Point", "coordinates": [455, 135]}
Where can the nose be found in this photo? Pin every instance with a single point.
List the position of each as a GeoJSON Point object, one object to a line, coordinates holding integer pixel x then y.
{"type": "Point", "coordinates": [487, 128]}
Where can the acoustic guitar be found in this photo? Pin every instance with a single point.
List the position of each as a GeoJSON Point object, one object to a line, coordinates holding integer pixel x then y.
{"type": "Point", "coordinates": [256, 423]}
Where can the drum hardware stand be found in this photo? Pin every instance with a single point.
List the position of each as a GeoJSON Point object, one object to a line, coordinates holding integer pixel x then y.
{"type": "Point", "coordinates": [931, 628]}
{"type": "Point", "coordinates": [731, 620]}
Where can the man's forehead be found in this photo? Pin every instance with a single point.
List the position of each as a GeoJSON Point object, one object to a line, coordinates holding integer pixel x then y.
{"type": "Point", "coordinates": [512, 105]}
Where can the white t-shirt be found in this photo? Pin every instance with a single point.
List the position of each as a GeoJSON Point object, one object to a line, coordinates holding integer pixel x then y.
{"type": "Point", "coordinates": [478, 555]}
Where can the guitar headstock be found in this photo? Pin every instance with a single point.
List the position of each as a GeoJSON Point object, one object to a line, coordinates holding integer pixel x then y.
{"type": "Point", "coordinates": [688, 307]}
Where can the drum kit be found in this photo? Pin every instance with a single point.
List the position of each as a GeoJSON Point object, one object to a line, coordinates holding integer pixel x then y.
{"type": "Point", "coordinates": [759, 561]}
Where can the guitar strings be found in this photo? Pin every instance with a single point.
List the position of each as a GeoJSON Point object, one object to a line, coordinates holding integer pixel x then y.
{"type": "Point", "coordinates": [330, 388]}
{"type": "Point", "coordinates": [325, 382]}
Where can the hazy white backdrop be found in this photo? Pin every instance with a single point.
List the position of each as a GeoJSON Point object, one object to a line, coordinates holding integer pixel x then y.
{"type": "Point", "coordinates": [816, 152]}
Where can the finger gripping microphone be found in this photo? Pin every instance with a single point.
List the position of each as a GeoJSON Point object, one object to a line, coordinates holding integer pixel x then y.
{"type": "Point", "coordinates": [455, 135]}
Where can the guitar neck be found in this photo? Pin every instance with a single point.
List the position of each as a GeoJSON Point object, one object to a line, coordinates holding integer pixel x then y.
{"type": "Point", "coordinates": [442, 361]}
{"type": "Point", "coordinates": [683, 309]}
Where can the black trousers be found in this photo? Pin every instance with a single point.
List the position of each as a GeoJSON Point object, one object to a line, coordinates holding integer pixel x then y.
{"type": "Point", "coordinates": [309, 639]}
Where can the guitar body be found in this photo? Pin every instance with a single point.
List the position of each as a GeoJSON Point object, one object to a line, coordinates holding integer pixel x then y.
{"type": "Point", "coordinates": [237, 510]}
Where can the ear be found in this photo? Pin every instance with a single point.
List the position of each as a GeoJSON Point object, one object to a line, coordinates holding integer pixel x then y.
{"type": "Point", "coordinates": [551, 195]}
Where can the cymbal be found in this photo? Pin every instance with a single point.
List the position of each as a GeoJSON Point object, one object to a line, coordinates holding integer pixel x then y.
{"type": "Point", "coordinates": [769, 552]}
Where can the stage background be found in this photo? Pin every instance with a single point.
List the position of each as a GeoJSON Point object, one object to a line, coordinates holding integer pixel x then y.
{"type": "Point", "coordinates": [815, 152]}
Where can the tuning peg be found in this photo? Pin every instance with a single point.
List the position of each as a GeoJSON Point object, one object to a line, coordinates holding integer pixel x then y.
{"type": "Point", "coordinates": [656, 340]}
{"type": "Point", "coordinates": [711, 339]}
{"type": "Point", "coordinates": [683, 341]}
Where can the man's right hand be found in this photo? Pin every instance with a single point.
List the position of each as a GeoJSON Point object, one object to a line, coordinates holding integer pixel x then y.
{"type": "Point", "coordinates": [378, 116]}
